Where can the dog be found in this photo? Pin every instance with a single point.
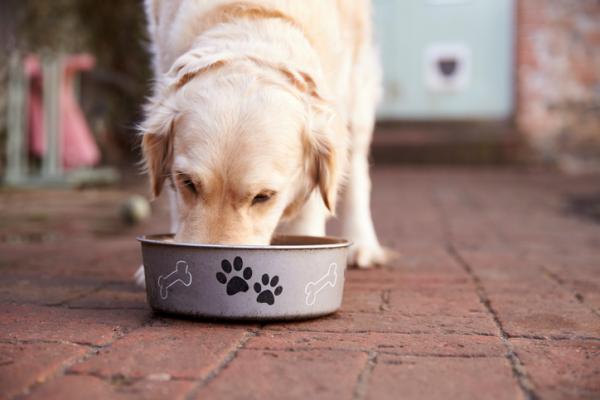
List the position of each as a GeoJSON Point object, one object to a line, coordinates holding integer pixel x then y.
{"type": "Point", "coordinates": [261, 112]}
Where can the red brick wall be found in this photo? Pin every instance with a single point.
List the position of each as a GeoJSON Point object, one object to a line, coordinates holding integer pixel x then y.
{"type": "Point", "coordinates": [558, 79]}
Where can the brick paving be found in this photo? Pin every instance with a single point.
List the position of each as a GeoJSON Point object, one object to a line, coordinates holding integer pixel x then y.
{"type": "Point", "coordinates": [496, 296]}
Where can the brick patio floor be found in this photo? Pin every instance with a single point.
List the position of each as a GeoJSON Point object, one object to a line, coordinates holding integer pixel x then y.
{"type": "Point", "coordinates": [496, 296]}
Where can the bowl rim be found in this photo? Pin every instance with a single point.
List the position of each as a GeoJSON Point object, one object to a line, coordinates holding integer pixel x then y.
{"type": "Point", "coordinates": [332, 242]}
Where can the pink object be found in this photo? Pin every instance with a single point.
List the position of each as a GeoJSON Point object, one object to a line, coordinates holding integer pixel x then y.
{"type": "Point", "coordinates": [78, 148]}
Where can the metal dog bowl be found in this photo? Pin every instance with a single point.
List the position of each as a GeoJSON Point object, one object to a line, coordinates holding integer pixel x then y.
{"type": "Point", "coordinates": [295, 277]}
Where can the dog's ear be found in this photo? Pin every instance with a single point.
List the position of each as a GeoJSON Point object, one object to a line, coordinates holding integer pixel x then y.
{"type": "Point", "coordinates": [157, 143]}
{"type": "Point", "coordinates": [158, 157]}
{"type": "Point", "coordinates": [161, 114]}
{"type": "Point", "coordinates": [323, 157]}
{"type": "Point", "coordinates": [323, 129]}
{"type": "Point", "coordinates": [324, 169]}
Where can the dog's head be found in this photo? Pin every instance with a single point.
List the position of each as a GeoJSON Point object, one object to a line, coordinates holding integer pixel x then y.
{"type": "Point", "coordinates": [243, 142]}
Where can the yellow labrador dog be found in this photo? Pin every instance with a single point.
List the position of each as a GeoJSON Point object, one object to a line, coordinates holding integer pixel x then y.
{"type": "Point", "coordinates": [261, 112]}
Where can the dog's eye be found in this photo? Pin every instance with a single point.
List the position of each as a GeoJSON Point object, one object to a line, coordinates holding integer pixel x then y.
{"type": "Point", "coordinates": [188, 184]}
{"type": "Point", "coordinates": [261, 198]}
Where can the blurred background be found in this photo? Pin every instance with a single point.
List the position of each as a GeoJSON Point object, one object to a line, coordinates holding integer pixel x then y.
{"type": "Point", "coordinates": [466, 82]}
{"type": "Point", "coordinates": [493, 80]}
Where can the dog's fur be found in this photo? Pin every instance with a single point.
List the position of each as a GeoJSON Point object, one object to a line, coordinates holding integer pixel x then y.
{"type": "Point", "coordinates": [260, 111]}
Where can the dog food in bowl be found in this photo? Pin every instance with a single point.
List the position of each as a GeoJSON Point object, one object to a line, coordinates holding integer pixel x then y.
{"type": "Point", "coordinates": [295, 277]}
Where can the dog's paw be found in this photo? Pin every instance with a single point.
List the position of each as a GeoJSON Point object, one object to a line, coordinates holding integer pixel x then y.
{"type": "Point", "coordinates": [370, 255]}
{"type": "Point", "coordinates": [139, 277]}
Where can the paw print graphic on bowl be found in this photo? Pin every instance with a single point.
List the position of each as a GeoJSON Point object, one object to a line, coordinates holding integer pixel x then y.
{"type": "Point", "coordinates": [235, 284]}
{"type": "Point", "coordinates": [270, 290]}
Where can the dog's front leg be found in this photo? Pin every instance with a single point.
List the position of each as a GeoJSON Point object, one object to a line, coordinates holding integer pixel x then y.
{"type": "Point", "coordinates": [139, 276]}
{"type": "Point", "coordinates": [357, 223]}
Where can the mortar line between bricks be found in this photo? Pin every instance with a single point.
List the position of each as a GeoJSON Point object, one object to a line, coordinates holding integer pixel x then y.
{"type": "Point", "coordinates": [362, 382]}
{"type": "Point", "coordinates": [58, 373]}
{"type": "Point", "coordinates": [127, 379]}
{"type": "Point", "coordinates": [225, 362]}
{"type": "Point", "coordinates": [49, 341]}
{"type": "Point", "coordinates": [369, 350]}
{"type": "Point", "coordinates": [64, 368]}
{"type": "Point", "coordinates": [362, 331]}
{"type": "Point", "coordinates": [515, 362]}
{"type": "Point", "coordinates": [578, 296]}
{"type": "Point", "coordinates": [553, 337]}
{"type": "Point", "coordinates": [79, 296]}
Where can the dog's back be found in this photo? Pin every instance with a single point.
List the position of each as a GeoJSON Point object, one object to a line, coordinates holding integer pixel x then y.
{"type": "Point", "coordinates": [336, 28]}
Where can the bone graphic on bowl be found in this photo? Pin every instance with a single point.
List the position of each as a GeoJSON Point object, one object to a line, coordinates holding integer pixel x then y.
{"type": "Point", "coordinates": [313, 288]}
{"type": "Point", "coordinates": [181, 274]}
